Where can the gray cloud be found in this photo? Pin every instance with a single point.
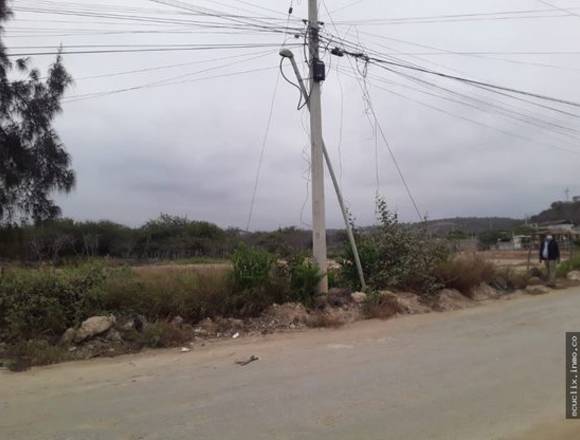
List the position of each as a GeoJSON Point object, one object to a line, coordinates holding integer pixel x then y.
{"type": "Point", "coordinates": [192, 149]}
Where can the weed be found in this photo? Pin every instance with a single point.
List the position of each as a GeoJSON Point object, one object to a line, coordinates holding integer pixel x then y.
{"type": "Point", "coordinates": [568, 266]}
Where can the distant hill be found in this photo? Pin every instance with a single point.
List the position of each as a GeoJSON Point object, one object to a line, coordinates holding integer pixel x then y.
{"type": "Point", "coordinates": [559, 211]}
{"type": "Point", "coordinates": [472, 225]}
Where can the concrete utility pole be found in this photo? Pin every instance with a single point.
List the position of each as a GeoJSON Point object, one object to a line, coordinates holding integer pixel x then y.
{"type": "Point", "coordinates": [286, 53]}
{"type": "Point", "coordinates": [317, 164]}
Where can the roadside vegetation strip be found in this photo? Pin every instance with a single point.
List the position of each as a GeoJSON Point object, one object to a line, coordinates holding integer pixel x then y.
{"type": "Point", "coordinates": [101, 308]}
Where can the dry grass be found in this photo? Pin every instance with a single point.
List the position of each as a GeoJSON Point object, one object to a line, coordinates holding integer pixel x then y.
{"type": "Point", "coordinates": [326, 319]}
{"type": "Point", "coordinates": [164, 294]}
{"type": "Point", "coordinates": [213, 268]}
{"type": "Point", "coordinates": [465, 273]}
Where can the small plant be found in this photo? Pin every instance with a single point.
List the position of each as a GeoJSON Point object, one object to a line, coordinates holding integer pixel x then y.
{"type": "Point", "coordinates": [252, 267]}
{"type": "Point", "coordinates": [304, 280]}
{"type": "Point", "coordinates": [568, 266]}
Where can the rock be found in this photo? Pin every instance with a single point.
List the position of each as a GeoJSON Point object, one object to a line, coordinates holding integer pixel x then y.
{"type": "Point", "coordinates": [229, 324]}
{"type": "Point", "coordinates": [94, 326]}
{"type": "Point", "coordinates": [177, 321]}
{"type": "Point", "coordinates": [359, 297]}
{"type": "Point", "coordinates": [185, 350]}
{"type": "Point", "coordinates": [574, 275]}
{"type": "Point", "coordinates": [407, 302]}
{"type": "Point", "coordinates": [451, 299]}
{"type": "Point", "coordinates": [68, 336]}
{"type": "Point", "coordinates": [537, 290]}
{"type": "Point", "coordinates": [136, 323]}
{"type": "Point", "coordinates": [114, 336]}
{"type": "Point", "coordinates": [484, 292]}
{"type": "Point", "coordinates": [206, 327]}
{"type": "Point", "coordinates": [535, 281]}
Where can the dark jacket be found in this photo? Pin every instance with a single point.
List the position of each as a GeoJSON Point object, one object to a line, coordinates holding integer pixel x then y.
{"type": "Point", "coordinates": [553, 250]}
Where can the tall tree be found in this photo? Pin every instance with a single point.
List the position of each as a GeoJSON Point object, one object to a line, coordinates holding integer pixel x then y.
{"type": "Point", "coordinates": [33, 161]}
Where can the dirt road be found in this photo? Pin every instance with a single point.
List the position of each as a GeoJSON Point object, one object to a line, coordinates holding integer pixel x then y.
{"type": "Point", "coordinates": [492, 372]}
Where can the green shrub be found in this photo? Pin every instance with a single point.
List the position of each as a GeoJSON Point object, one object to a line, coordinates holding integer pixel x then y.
{"type": "Point", "coordinates": [304, 280]}
{"type": "Point", "coordinates": [333, 276]}
{"type": "Point", "coordinates": [252, 301]}
{"type": "Point", "coordinates": [568, 266]}
{"type": "Point", "coordinates": [45, 302]}
{"type": "Point", "coordinates": [395, 256]}
{"type": "Point", "coordinates": [465, 273]}
{"type": "Point", "coordinates": [252, 267]}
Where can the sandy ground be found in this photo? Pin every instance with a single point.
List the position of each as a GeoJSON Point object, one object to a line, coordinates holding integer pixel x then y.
{"type": "Point", "coordinates": [491, 372]}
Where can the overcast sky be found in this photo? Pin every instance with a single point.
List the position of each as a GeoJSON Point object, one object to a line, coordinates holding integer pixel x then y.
{"type": "Point", "coordinates": [192, 149]}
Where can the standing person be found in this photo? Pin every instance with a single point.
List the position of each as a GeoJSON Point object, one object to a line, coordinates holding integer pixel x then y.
{"type": "Point", "coordinates": [550, 255]}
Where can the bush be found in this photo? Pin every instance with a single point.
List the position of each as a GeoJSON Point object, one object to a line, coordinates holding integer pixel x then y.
{"type": "Point", "coordinates": [568, 266]}
{"type": "Point", "coordinates": [45, 302]}
{"type": "Point", "coordinates": [465, 273]}
{"type": "Point", "coordinates": [304, 280]}
{"type": "Point", "coordinates": [395, 256]}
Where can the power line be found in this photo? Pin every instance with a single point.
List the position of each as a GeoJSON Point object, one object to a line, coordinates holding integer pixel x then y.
{"type": "Point", "coordinates": [166, 66]}
{"type": "Point", "coordinates": [168, 49]}
{"type": "Point", "coordinates": [84, 97]}
{"type": "Point", "coordinates": [446, 18]}
{"type": "Point", "coordinates": [265, 138]}
{"type": "Point", "coordinates": [470, 81]}
{"type": "Point", "coordinates": [368, 101]}
{"type": "Point", "coordinates": [473, 121]}
{"type": "Point", "coordinates": [262, 151]}
{"type": "Point", "coordinates": [558, 8]}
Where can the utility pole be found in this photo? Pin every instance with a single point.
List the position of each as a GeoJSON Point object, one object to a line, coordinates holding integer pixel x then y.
{"type": "Point", "coordinates": [286, 53]}
{"type": "Point", "coordinates": [317, 164]}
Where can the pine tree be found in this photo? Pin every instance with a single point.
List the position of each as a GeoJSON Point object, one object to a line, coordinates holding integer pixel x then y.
{"type": "Point", "coordinates": [33, 161]}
